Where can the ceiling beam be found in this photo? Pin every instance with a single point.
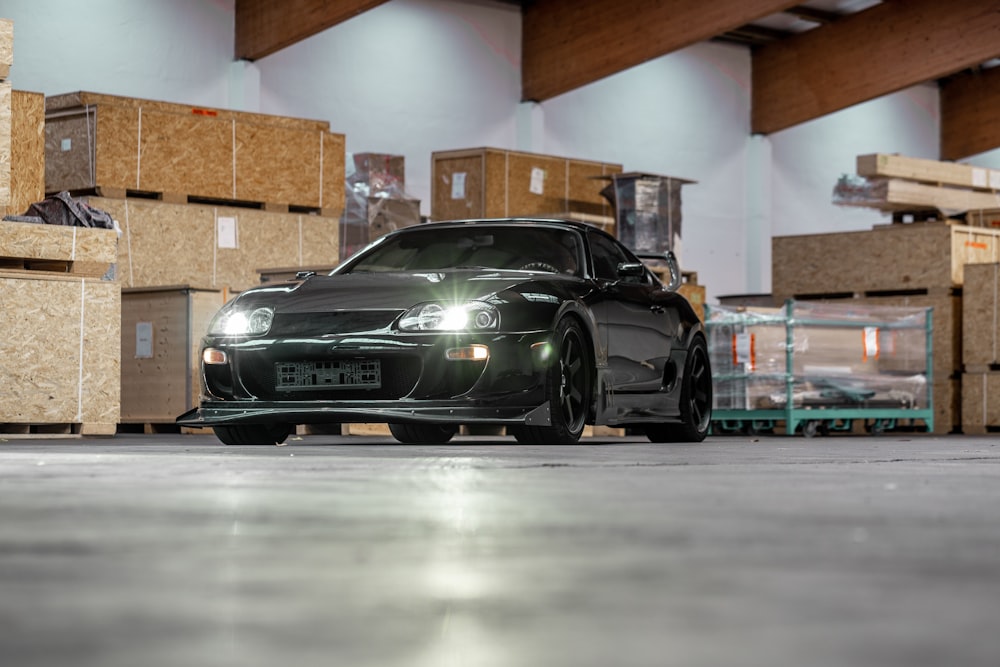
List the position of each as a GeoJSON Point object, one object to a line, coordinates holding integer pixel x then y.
{"type": "Point", "coordinates": [862, 56]}
{"type": "Point", "coordinates": [570, 43]}
{"type": "Point", "coordinates": [265, 26]}
{"type": "Point", "coordinates": [969, 104]}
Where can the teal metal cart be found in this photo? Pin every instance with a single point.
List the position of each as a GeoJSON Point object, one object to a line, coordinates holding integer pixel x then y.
{"type": "Point", "coordinates": [823, 368]}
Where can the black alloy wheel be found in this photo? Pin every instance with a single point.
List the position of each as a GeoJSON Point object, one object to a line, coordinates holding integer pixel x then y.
{"type": "Point", "coordinates": [422, 434]}
{"type": "Point", "coordinates": [567, 388]}
{"type": "Point", "coordinates": [253, 434]}
{"type": "Point", "coordinates": [696, 400]}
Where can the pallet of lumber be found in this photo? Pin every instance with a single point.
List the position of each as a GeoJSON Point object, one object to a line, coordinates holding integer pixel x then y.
{"type": "Point", "coordinates": [111, 144]}
{"type": "Point", "coordinates": [881, 165]}
{"type": "Point", "coordinates": [897, 194]}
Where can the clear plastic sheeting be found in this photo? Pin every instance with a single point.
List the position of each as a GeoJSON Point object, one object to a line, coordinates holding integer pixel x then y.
{"type": "Point", "coordinates": [788, 362]}
{"type": "Point", "coordinates": [647, 211]}
{"type": "Point", "coordinates": [375, 200]}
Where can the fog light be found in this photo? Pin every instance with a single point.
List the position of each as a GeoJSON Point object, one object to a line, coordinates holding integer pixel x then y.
{"type": "Point", "coordinates": [470, 353]}
{"type": "Point", "coordinates": [212, 356]}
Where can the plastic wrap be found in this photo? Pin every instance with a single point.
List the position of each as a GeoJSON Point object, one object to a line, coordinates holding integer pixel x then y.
{"type": "Point", "coordinates": [647, 211]}
{"type": "Point", "coordinates": [820, 356]}
{"type": "Point", "coordinates": [375, 201]}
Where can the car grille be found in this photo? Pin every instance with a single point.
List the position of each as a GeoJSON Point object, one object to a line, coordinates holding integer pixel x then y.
{"type": "Point", "coordinates": [334, 322]}
{"type": "Point", "coordinates": [399, 376]}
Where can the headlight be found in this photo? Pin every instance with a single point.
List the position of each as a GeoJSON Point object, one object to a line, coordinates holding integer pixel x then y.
{"type": "Point", "coordinates": [236, 322]}
{"type": "Point", "coordinates": [470, 316]}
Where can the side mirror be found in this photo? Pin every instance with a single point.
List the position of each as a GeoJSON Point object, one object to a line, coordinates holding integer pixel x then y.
{"type": "Point", "coordinates": [631, 269]}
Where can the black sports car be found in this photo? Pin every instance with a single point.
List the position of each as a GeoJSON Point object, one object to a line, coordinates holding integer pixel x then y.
{"type": "Point", "coordinates": [541, 326]}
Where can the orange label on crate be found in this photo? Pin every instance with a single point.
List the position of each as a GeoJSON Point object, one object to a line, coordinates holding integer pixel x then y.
{"type": "Point", "coordinates": [205, 112]}
{"type": "Point", "coordinates": [978, 245]}
{"type": "Point", "coordinates": [744, 348]}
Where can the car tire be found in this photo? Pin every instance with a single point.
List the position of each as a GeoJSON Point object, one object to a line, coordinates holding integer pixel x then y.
{"type": "Point", "coordinates": [695, 403]}
{"type": "Point", "coordinates": [253, 434]}
{"type": "Point", "coordinates": [422, 434]}
{"type": "Point", "coordinates": [568, 390]}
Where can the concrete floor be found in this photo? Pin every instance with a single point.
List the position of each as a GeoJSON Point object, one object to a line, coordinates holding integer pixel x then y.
{"type": "Point", "coordinates": [150, 550]}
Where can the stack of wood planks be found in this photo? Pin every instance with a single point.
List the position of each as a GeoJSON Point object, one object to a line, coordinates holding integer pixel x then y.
{"type": "Point", "coordinates": [898, 184]}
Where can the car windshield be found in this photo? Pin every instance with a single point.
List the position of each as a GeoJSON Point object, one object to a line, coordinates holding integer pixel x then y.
{"type": "Point", "coordinates": [511, 247]}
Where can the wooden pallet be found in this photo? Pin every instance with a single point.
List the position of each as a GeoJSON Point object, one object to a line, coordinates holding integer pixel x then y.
{"type": "Point", "coordinates": [11, 431]}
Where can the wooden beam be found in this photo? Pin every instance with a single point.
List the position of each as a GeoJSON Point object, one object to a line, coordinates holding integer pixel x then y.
{"type": "Point", "coordinates": [875, 52]}
{"type": "Point", "coordinates": [266, 26]}
{"type": "Point", "coordinates": [570, 43]}
{"type": "Point", "coordinates": [969, 104]}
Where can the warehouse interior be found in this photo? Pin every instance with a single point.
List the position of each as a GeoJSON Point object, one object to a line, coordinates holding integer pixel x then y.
{"type": "Point", "coordinates": [836, 166]}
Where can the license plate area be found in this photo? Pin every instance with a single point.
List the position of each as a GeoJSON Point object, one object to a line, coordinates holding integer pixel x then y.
{"type": "Point", "coordinates": [347, 374]}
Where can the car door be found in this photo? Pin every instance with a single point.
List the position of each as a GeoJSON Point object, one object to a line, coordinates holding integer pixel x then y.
{"type": "Point", "coordinates": [634, 318]}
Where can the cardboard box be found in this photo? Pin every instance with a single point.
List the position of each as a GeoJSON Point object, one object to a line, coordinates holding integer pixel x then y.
{"type": "Point", "coordinates": [119, 145]}
{"type": "Point", "coordinates": [498, 183]}
{"type": "Point", "coordinates": [161, 333]}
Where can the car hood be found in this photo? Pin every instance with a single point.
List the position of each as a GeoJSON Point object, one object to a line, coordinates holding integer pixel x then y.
{"type": "Point", "coordinates": [395, 291]}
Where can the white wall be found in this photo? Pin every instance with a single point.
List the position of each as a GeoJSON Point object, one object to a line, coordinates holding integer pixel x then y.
{"type": "Point", "coordinates": [415, 76]}
{"type": "Point", "coordinates": [173, 50]}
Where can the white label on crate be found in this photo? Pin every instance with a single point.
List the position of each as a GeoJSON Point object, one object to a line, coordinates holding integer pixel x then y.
{"type": "Point", "coordinates": [994, 179]}
{"type": "Point", "coordinates": [537, 185]}
{"type": "Point", "coordinates": [744, 350]}
{"type": "Point", "coordinates": [226, 228]}
{"type": "Point", "coordinates": [458, 185]}
{"type": "Point", "coordinates": [871, 343]}
{"type": "Point", "coordinates": [66, 144]}
{"type": "Point", "coordinates": [143, 340]}
{"type": "Point", "coordinates": [978, 177]}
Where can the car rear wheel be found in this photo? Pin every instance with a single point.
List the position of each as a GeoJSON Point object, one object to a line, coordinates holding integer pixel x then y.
{"type": "Point", "coordinates": [696, 400]}
{"type": "Point", "coordinates": [253, 434]}
{"type": "Point", "coordinates": [422, 434]}
{"type": "Point", "coordinates": [568, 390]}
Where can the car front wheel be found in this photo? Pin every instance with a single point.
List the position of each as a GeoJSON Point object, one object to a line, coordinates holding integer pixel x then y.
{"type": "Point", "coordinates": [422, 434]}
{"type": "Point", "coordinates": [567, 388]}
{"type": "Point", "coordinates": [253, 434]}
{"type": "Point", "coordinates": [696, 400]}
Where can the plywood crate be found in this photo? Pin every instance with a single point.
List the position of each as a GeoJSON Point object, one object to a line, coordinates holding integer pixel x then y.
{"type": "Point", "coordinates": [981, 317]}
{"type": "Point", "coordinates": [928, 171]}
{"type": "Point", "coordinates": [82, 251]}
{"type": "Point", "coordinates": [59, 356]}
{"type": "Point", "coordinates": [981, 402]}
{"type": "Point", "coordinates": [6, 122]}
{"type": "Point", "coordinates": [162, 329]}
{"type": "Point", "coordinates": [120, 144]}
{"type": "Point", "coordinates": [27, 151]}
{"type": "Point", "coordinates": [213, 247]}
{"type": "Point", "coordinates": [6, 47]}
{"type": "Point", "coordinates": [496, 183]}
{"type": "Point", "coordinates": [888, 257]}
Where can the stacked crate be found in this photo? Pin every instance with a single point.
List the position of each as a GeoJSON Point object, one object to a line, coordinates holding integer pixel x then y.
{"type": "Point", "coordinates": [921, 264]}
{"type": "Point", "coordinates": [376, 202]}
{"type": "Point", "coordinates": [203, 196]}
{"type": "Point", "coordinates": [981, 349]}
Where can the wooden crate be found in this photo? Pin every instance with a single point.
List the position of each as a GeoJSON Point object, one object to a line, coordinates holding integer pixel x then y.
{"type": "Point", "coordinates": [6, 123]}
{"type": "Point", "coordinates": [181, 244]}
{"type": "Point", "coordinates": [27, 151]}
{"type": "Point", "coordinates": [981, 317]}
{"type": "Point", "coordinates": [496, 183]}
{"type": "Point", "coordinates": [82, 251]}
{"type": "Point", "coordinates": [888, 257]}
{"type": "Point", "coordinates": [6, 47]}
{"type": "Point", "coordinates": [161, 332]}
{"type": "Point", "coordinates": [119, 144]}
{"type": "Point", "coordinates": [59, 358]}
{"type": "Point", "coordinates": [981, 402]}
{"type": "Point", "coordinates": [928, 171]}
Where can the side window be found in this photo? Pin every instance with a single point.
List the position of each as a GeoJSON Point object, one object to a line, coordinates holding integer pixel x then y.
{"type": "Point", "coordinates": [607, 256]}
